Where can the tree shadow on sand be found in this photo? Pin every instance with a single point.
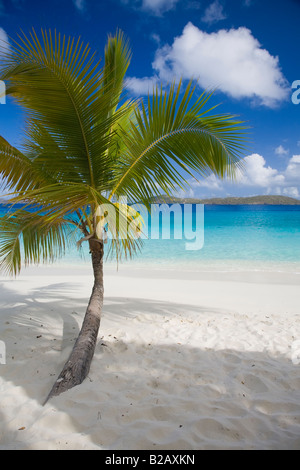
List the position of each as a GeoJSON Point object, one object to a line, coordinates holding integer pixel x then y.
{"type": "Point", "coordinates": [141, 393]}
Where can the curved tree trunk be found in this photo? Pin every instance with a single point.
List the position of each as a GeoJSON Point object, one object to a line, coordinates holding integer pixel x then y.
{"type": "Point", "coordinates": [77, 367]}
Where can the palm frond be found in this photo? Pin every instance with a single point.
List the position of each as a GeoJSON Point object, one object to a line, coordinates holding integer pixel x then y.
{"type": "Point", "coordinates": [171, 139]}
{"type": "Point", "coordinates": [60, 85]}
{"type": "Point", "coordinates": [117, 59]}
{"type": "Point", "coordinates": [31, 238]}
{"type": "Point", "coordinates": [17, 170]}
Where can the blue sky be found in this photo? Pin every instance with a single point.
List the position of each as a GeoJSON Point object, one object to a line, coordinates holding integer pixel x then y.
{"type": "Point", "coordinates": [248, 49]}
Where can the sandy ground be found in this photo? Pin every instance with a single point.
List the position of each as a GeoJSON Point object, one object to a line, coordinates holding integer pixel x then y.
{"type": "Point", "coordinates": [184, 361]}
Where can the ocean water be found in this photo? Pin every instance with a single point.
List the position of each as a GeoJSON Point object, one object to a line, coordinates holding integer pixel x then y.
{"type": "Point", "coordinates": [245, 236]}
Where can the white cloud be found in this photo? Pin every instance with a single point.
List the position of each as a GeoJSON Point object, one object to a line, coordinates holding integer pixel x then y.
{"type": "Point", "coordinates": [281, 150]}
{"type": "Point", "coordinates": [141, 86]}
{"type": "Point", "coordinates": [259, 177]}
{"type": "Point", "coordinates": [155, 37]}
{"type": "Point", "coordinates": [291, 192]}
{"type": "Point", "coordinates": [182, 193]}
{"type": "Point", "coordinates": [292, 172]}
{"type": "Point", "coordinates": [157, 7]}
{"type": "Point", "coordinates": [154, 7]}
{"type": "Point", "coordinates": [3, 34]}
{"type": "Point", "coordinates": [213, 13]}
{"type": "Point", "coordinates": [4, 42]}
{"type": "Point", "coordinates": [211, 182]}
{"type": "Point", "coordinates": [231, 60]}
{"type": "Point", "coordinates": [295, 159]}
{"type": "Point", "coordinates": [257, 173]}
{"type": "Point", "coordinates": [79, 4]}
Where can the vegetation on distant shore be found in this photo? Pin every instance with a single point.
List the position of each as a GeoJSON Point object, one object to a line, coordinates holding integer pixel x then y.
{"type": "Point", "coordinates": [254, 200]}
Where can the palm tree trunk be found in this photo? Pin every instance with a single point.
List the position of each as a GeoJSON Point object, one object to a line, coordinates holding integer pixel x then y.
{"type": "Point", "coordinates": [77, 367]}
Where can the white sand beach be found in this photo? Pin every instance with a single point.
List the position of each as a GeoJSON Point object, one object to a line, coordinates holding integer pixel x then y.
{"type": "Point", "coordinates": [184, 361]}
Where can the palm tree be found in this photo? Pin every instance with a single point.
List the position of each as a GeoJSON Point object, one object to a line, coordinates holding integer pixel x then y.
{"type": "Point", "coordinates": [86, 144]}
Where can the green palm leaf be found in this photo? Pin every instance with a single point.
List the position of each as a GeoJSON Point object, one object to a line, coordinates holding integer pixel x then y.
{"type": "Point", "coordinates": [170, 139]}
{"type": "Point", "coordinates": [31, 238]}
{"type": "Point", "coordinates": [61, 87]}
{"type": "Point", "coordinates": [17, 170]}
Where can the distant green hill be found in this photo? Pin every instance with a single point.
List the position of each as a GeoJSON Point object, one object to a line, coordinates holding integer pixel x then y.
{"type": "Point", "coordinates": [258, 200]}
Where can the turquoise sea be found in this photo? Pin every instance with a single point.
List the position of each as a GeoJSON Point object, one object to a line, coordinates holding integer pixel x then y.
{"type": "Point", "coordinates": [260, 237]}
{"type": "Point", "coordinates": [241, 236]}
